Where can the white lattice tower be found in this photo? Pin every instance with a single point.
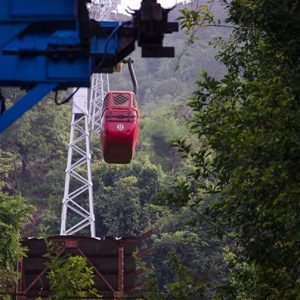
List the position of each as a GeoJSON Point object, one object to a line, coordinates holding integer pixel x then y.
{"type": "Point", "coordinates": [77, 211]}
{"type": "Point", "coordinates": [99, 88]}
{"type": "Point", "coordinates": [103, 9]}
{"type": "Point", "coordinates": [77, 205]}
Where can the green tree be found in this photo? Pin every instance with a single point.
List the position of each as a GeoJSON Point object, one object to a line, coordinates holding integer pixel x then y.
{"type": "Point", "coordinates": [72, 278]}
{"type": "Point", "coordinates": [123, 194]}
{"type": "Point", "coordinates": [8, 172]}
{"type": "Point", "coordinates": [197, 248]}
{"type": "Point", "coordinates": [247, 125]}
{"type": "Point", "coordinates": [182, 286]}
{"type": "Point", "coordinates": [38, 143]}
{"type": "Point", "coordinates": [13, 215]}
{"type": "Point", "coordinates": [32, 157]}
{"type": "Point", "coordinates": [118, 209]}
{"type": "Point", "coordinates": [157, 131]}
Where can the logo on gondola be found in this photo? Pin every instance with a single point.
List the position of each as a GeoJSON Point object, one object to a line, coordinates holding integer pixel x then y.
{"type": "Point", "coordinates": [120, 127]}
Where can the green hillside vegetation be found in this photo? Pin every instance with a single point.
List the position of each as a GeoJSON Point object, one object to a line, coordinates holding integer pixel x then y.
{"type": "Point", "coordinates": [34, 153]}
{"type": "Point", "coordinates": [216, 178]}
{"type": "Point", "coordinates": [248, 161]}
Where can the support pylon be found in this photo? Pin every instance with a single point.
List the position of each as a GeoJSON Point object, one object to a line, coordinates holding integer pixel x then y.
{"type": "Point", "coordinates": [77, 213]}
{"type": "Point", "coordinates": [77, 205]}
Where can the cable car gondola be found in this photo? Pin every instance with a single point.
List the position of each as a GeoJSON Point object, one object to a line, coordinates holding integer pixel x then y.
{"type": "Point", "coordinates": [119, 123]}
{"type": "Point", "coordinates": [119, 127]}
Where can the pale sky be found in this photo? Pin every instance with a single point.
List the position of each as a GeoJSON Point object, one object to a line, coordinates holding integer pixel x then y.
{"type": "Point", "coordinates": [135, 4]}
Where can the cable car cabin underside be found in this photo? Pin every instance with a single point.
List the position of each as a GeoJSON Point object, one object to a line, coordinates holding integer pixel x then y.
{"type": "Point", "coordinates": [119, 127]}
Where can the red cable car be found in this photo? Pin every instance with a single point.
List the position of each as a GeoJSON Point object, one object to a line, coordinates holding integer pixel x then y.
{"type": "Point", "coordinates": [119, 127]}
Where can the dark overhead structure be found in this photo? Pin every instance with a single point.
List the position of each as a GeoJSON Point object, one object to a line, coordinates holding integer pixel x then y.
{"type": "Point", "coordinates": [113, 262]}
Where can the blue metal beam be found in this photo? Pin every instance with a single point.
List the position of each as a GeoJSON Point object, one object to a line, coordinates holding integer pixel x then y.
{"type": "Point", "coordinates": [24, 104]}
{"type": "Point", "coordinates": [53, 44]}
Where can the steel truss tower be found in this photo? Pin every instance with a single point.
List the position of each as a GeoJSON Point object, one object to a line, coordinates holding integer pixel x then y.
{"type": "Point", "coordinates": [77, 213]}
{"type": "Point", "coordinates": [103, 9]}
{"type": "Point", "coordinates": [77, 204]}
{"type": "Point", "coordinates": [99, 88]}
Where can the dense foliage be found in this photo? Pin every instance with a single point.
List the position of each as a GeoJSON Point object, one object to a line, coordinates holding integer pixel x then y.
{"type": "Point", "coordinates": [13, 213]}
{"type": "Point", "coordinates": [33, 160]}
{"type": "Point", "coordinates": [72, 278]}
{"type": "Point", "coordinates": [248, 127]}
{"type": "Point", "coordinates": [226, 218]}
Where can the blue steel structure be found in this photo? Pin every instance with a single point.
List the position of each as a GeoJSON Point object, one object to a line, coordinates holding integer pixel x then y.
{"type": "Point", "coordinates": [48, 45]}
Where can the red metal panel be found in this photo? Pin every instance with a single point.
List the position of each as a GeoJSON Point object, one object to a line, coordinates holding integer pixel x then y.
{"type": "Point", "coordinates": [121, 269]}
{"type": "Point", "coordinates": [71, 244]}
{"type": "Point", "coordinates": [20, 286]}
{"type": "Point", "coordinates": [111, 259]}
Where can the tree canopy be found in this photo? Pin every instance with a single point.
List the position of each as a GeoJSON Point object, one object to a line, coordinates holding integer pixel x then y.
{"type": "Point", "coordinates": [248, 127]}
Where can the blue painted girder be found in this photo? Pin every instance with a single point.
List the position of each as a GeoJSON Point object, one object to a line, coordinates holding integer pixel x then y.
{"type": "Point", "coordinates": [52, 44]}
{"type": "Point", "coordinates": [24, 104]}
{"type": "Point", "coordinates": [54, 57]}
{"type": "Point", "coordinates": [53, 41]}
